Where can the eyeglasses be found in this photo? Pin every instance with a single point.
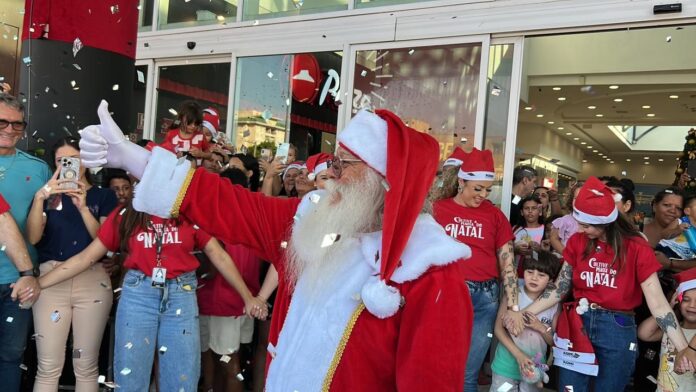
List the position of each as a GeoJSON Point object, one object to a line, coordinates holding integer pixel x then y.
{"type": "Point", "coordinates": [338, 164]}
{"type": "Point", "coordinates": [17, 126]}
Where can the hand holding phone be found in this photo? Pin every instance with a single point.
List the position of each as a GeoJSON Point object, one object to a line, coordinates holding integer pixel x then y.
{"type": "Point", "coordinates": [69, 172]}
{"type": "Point", "coordinates": [282, 153]}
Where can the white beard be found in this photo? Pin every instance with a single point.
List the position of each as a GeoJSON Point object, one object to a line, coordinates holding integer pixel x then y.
{"type": "Point", "coordinates": [347, 210]}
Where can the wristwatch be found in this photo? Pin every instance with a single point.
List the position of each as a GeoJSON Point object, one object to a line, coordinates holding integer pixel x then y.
{"type": "Point", "coordinates": [30, 272]}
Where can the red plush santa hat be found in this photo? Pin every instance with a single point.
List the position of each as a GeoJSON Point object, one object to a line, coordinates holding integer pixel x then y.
{"type": "Point", "coordinates": [686, 280]}
{"type": "Point", "coordinates": [317, 163]}
{"type": "Point", "coordinates": [211, 120]}
{"type": "Point", "coordinates": [596, 203]}
{"type": "Point", "coordinates": [477, 166]}
{"type": "Point", "coordinates": [397, 152]}
{"type": "Point", "coordinates": [572, 347]}
{"type": "Point", "coordinates": [299, 165]}
{"type": "Point", "coordinates": [456, 158]}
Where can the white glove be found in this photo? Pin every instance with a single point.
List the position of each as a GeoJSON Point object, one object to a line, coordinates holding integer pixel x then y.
{"type": "Point", "coordinates": [105, 145]}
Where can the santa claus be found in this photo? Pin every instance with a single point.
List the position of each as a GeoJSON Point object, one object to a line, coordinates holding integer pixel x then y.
{"type": "Point", "coordinates": [375, 299]}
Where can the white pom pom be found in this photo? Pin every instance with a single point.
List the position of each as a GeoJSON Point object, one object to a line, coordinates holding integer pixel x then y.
{"type": "Point", "coordinates": [311, 176]}
{"type": "Point", "coordinates": [617, 197]}
{"type": "Point", "coordinates": [379, 298]}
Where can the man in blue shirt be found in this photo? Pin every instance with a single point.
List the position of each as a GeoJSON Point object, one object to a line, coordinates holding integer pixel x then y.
{"type": "Point", "coordinates": [21, 175]}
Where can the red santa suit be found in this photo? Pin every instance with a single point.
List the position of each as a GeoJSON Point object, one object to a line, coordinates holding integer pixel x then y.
{"type": "Point", "coordinates": [356, 337]}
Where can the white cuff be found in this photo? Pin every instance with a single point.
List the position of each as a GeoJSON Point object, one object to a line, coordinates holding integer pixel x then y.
{"type": "Point", "coordinates": [162, 182]}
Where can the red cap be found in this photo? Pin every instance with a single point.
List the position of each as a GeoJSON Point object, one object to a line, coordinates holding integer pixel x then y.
{"type": "Point", "coordinates": [477, 166]}
{"type": "Point", "coordinates": [686, 280]}
{"type": "Point", "coordinates": [211, 120]}
{"type": "Point", "coordinates": [595, 204]}
{"type": "Point", "coordinates": [317, 163]}
{"type": "Point", "coordinates": [456, 159]}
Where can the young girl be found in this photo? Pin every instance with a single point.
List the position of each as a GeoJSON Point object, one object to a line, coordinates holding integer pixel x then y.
{"type": "Point", "coordinates": [522, 354]}
{"type": "Point", "coordinates": [157, 309]}
{"type": "Point", "coordinates": [566, 226]}
{"type": "Point", "coordinates": [668, 380]}
{"type": "Point", "coordinates": [529, 235]}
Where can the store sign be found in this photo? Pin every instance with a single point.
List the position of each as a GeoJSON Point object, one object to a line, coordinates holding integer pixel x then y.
{"type": "Point", "coordinates": [307, 80]}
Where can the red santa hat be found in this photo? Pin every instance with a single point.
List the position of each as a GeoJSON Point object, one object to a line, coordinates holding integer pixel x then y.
{"type": "Point", "coordinates": [686, 280]}
{"type": "Point", "coordinates": [456, 158]}
{"type": "Point", "coordinates": [211, 120]}
{"type": "Point", "coordinates": [396, 152]}
{"type": "Point", "coordinates": [317, 163]}
{"type": "Point", "coordinates": [596, 203]}
{"type": "Point", "coordinates": [477, 166]}
{"type": "Point", "coordinates": [299, 165]}
{"type": "Point", "coordinates": [572, 347]}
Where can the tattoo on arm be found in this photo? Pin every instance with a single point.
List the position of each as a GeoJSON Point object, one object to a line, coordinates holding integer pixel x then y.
{"type": "Point", "coordinates": [666, 321]}
{"type": "Point", "coordinates": [508, 272]}
{"type": "Point", "coordinates": [562, 285]}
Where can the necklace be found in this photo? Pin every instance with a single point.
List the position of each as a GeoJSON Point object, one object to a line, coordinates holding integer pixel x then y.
{"type": "Point", "coordinates": [4, 169]}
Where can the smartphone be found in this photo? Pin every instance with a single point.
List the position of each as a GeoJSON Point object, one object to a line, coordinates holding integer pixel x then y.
{"type": "Point", "coordinates": [69, 170]}
{"type": "Point", "coordinates": [266, 154]}
{"type": "Point", "coordinates": [282, 152]}
{"type": "Point", "coordinates": [691, 168]}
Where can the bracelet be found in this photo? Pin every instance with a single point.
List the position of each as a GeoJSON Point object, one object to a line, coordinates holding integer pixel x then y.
{"type": "Point", "coordinates": [688, 345]}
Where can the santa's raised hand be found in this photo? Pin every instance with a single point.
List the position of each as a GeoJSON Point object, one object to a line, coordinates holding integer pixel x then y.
{"type": "Point", "coordinates": [105, 145]}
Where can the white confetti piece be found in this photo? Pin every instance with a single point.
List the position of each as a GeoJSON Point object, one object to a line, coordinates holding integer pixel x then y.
{"type": "Point", "coordinates": [115, 87]}
{"type": "Point", "coordinates": [652, 379]}
{"type": "Point", "coordinates": [55, 105]}
{"type": "Point", "coordinates": [668, 39]}
{"type": "Point", "coordinates": [23, 367]}
{"type": "Point", "coordinates": [314, 198]}
{"type": "Point", "coordinates": [114, 9]}
{"type": "Point", "coordinates": [111, 384]}
{"type": "Point", "coordinates": [163, 349]}
{"type": "Point", "coordinates": [505, 387]}
{"type": "Point", "coordinates": [271, 349]}
{"type": "Point", "coordinates": [117, 290]}
{"type": "Point", "coordinates": [632, 347]}
{"type": "Point", "coordinates": [178, 312]}
{"type": "Point", "coordinates": [490, 335]}
{"type": "Point", "coordinates": [47, 89]}
{"type": "Point", "coordinates": [77, 66]}
{"type": "Point", "coordinates": [141, 76]}
{"type": "Point", "coordinates": [284, 244]}
{"type": "Point", "coordinates": [270, 75]}
{"type": "Point", "coordinates": [9, 319]}
{"type": "Point", "coordinates": [101, 379]}
{"type": "Point", "coordinates": [330, 239]}
{"type": "Point", "coordinates": [568, 388]}
{"type": "Point", "coordinates": [76, 47]}
{"type": "Point", "coordinates": [173, 112]}
{"type": "Point", "coordinates": [27, 60]}
{"type": "Point", "coordinates": [363, 73]}
{"type": "Point", "coordinates": [128, 345]}
{"type": "Point", "coordinates": [125, 371]}
{"type": "Point", "coordinates": [240, 377]}
{"type": "Point", "coordinates": [55, 316]}
{"type": "Point", "coordinates": [225, 358]}
{"type": "Point", "coordinates": [3, 247]}
{"type": "Point", "coordinates": [410, 52]}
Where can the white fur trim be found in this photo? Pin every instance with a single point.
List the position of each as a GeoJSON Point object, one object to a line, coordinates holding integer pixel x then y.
{"type": "Point", "coordinates": [210, 127]}
{"type": "Point", "coordinates": [686, 286]}
{"type": "Point", "coordinates": [321, 167]}
{"type": "Point", "coordinates": [595, 219]}
{"type": "Point", "coordinates": [574, 355]}
{"type": "Point", "coordinates": [452, 162]}
{"type": "Point", "coordinates": [366, 137]}
{"type": "Point", "coordinates": [617, 197]}
{"type": "Point", "coordinates": [307, 204]}
{"type": "Point", "coordinates": [476, 176]}
{"type": "Point", "coordinates": [164, 176]}
{"type": "Point", "coordinates": [379, 298]}
{"type": "Point", "coordinates": [584, 368]}
{"type": "Point", "coordinates": [428, 246]}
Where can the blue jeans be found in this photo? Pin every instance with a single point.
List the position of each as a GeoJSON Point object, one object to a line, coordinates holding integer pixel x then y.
{"type": "Point", "coordinates": [485, 297]}
{"type": "Point", "coordinates": [153, 320]}
{"type": "Point", "coordinates": [611, 334]}
{"type": "Point", "coordinates": [13, 339]}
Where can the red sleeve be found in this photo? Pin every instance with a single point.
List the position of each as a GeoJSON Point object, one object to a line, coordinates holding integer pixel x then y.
{"type": "Point", "coordinates": [435, 332]}
{"type": "Point", "coordinates": [201, 238]}
{"type": "Point", "coordinates": [235, 215]}
{"type": "Point", "coordinates": [572, 250]}
{"type": "Point", "coordinates": [108, 231]}
{"type": "Point", "coordinates": [4, 207]}
{"type": "Point", "coordinates": [504, 233]}
{"type": "Point", "coordinates": [646, 262]}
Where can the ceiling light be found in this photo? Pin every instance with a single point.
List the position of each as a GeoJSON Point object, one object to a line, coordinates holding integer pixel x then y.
{"type": "Point", "coordinates": [556, 89]}
{"type": "Point", "coordinates": [646, 106]}
{"type": "Point", "coordinates": [540, 115]}
{"type": "Point", "coordinates": [569, 133]}
{"type": "Point", "coordinates": [646, 157]}
{"type": "Point", "coordinates": [561, 98]}
{"type": "Point", "coordinates": [595, 151]}
{"type": "Point", "coordinates": [584, 161]}
{"type": "Point", "coordinates": [628, 159]}
{"type": "Point", "coordinates": [550, 122]}
{"type": "Point", "coordinates": [660, 160]}
{"type": "Point", "coordinates": [527, 108]}
{"type": "Point", "coordinates": [618, 99]}
{"type": "Point", "coordinates": [650, 114]}
{"type": "Point", "coordinates": [647, 163]}
{"type": "Point", "coordinates": [592, 107]}
{"type": "Point", "coordinates": [673, 96]}
{"type": "Point", "coordinates": [613, 87]}
{"type": "Point", "coordinates": [560, 128]}
{"type": "Point", "coordinates": [576, 138]}
{"type": "Point", "coordinates": [611, 161]}
{"type": "Point", "coordinates": [583, 143]}
{"type": "Point", "coordinates": [589, 147]}
{"type": "Point", "coordinates": [599, 115]}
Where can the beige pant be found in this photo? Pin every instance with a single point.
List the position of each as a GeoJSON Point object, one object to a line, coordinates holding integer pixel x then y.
{"type": "Point", "coordinates": [84, 301]}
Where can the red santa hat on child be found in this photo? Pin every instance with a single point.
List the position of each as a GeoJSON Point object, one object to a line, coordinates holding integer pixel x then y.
{"type": "Point", "coordinates": [596, 203]}
{"type": "Point", "coordinates": [456, 158]}
{"type": "Point", "coordinates": [477, 166]}
{"type": "Point", "coordinates": [317, 163]}
{"type": "Point", "coordinates": [395, 151]}
{"type": "Point", "coordinates": [211, 120]}
{"type": "Point", "coordinates": [686, 280]}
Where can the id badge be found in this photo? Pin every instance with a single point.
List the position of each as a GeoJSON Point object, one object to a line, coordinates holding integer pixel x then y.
{"type": "Point", "coordinates": [159, 276]}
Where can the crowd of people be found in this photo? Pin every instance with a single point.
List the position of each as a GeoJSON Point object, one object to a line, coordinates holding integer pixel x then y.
{"type": "Point", "coordinates": [365, 269]}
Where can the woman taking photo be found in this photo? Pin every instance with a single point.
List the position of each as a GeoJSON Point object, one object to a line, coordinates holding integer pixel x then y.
{"type": "Point", "coordinates": [468, 216]}
{"type": "Point", "coordinates": [157, 309]}
{"type": "Point", "coordinates": [609, 265]}
{"type": "Point", "coordinates": [63, 220]}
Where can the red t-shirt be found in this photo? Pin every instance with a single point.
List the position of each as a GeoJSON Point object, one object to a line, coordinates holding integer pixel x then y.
{"type": "Point", "coordinates": [484, 229]}
{"type": "Point", "coordinates": [174, 142]}
{"type": "Point", "coordinates": [594, 277]}
{"type": "Point", "coordinates": [4, 207]}
{"type": "Point", "coordinates": [178, 241]}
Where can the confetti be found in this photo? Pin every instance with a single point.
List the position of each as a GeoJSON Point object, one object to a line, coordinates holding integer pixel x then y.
{"type": "Point", "coordinates": [505, 387]}
{"type": "Point", "coordinates": [314, 198]}
{"type": "Point", "coordinates": [47, 89]}
{"type": "Point", "coordinates": [3, 247]}
{"type": "Point", "coordinates": [173, 112]}
{"type": "Point", "coordinates": [330, 239]}
{"type": "Point", "coordinates": [297, 4]}
{"type": "Point", "coordinates": [114, 9]}
{"type": "Point", "coordinates": [225, 358]}
{"type": "Point", "coordinates": [490, 335]}
{"type": "Point", "coordinates": [270, 75]}
{"type": "Point", "coordinates": [23, 367]}
{"type": "Point", "coordinates": [568, 388]}
{"type": "Point", "coordinates": [271, 349]}
{"type": "Point", "coordinates": [178, 312]}
{"type": "Point", "coordinates": [363, 73]}
{"type": "Point", "coordinates": [27, 60]}
{"type": "Point", "coordinates": [76, 46]}
{"type": "Point", "coordinates": [652, 379]}
{"type": "Point", "coordinates": [55, 316]}
{"type": "Point", "coordinates": [632, 347]}
{"type": "Point", "coordinates": [125, 371]}
{"type": "Point", "coordinates": [240, 377]}
{"type": "Point", "coordinates": [9, 319]}
{"type": "Point", "coordinates": [141, 76]}
{"type": "Point", "coordinates": [110, 384]}
{"type": "Point", "coordinates": [117, 290]}
{"type": "Point", "coordinates": [101, 379]}
{"type": "Point", "coordinates": [668, 39]}
{"type": "Point", "coordinates": [410, 52]}
{"type": "Point", "coordinates": [163, 350]}
{"type": "Point", "coordinates": [495, 91]}
{"type": "Point", "coordinates": [128, 345]}
{"type": "Point", "coordinates": [55, 105]}
{"type": "Point", "coordinates": [114, 87]}
{"type": "Point", "coordinates": [77, 66]}
{"type": "Point", "coordinates": [284, 244]}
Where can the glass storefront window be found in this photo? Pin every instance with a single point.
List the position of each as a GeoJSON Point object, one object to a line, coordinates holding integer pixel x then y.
{"type": "Point", "coordinates": [136, 124]}
{"type": "Point", "coordinates": [499, 79]}
{"type": "Point", "coordinates": [261, 9]}
{"type": "Point", "coordinates": [287, 98]}
{"type": "Point", "coordinates": [207, 84]}
{"type": "Point", "coordinates": [146, 8]}
{"type": "Point", "coordinates": [433, 89]}
{"type": "Point", "coordinates": [188, 13]}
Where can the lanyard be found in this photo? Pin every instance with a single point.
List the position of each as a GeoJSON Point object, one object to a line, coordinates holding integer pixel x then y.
{"type": "Point", "coordinates": [159, 234]}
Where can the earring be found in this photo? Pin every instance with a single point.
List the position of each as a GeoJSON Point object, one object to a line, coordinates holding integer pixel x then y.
{"type": "Point", "coordinates": [459, 189]}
